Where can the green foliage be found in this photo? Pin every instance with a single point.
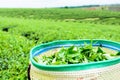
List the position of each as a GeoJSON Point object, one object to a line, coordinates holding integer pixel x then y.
{"type": "Point", "coordinates": [44, 30]}
{"type": "Point", "coordinates": [118, 53]}
{"type": "Point", "coordinates": [14, 56]}
{"type": "Point", "coordinates": [57, 13]}
{"type": "Point", "coordinates": [68, 15]}
{"type": "Point", "coordinates": [75, 55]}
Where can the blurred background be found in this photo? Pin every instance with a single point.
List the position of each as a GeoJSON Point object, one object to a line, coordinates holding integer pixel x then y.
{"type": "Point", "coordinates": [26, 23]}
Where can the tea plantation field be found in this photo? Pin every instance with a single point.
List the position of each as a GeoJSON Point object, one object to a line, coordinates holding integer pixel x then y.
{"type": "Point", "coordinates": [59, 13]}
{"type": "Point", "coordinates": [18, 33]}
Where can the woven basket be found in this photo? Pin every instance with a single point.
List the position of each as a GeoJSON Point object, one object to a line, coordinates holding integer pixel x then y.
{"type": "Point", "coordinates": [103, 70]}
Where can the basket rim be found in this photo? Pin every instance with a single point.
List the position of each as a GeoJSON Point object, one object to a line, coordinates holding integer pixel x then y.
{"type": "Point", "coordinates": [74, 67]}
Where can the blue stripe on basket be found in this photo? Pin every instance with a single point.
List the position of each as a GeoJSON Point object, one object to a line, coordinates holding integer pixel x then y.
{"type": "Point", "coordinates": [68, 45]}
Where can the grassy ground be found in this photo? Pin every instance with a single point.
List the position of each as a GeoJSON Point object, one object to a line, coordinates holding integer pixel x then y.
{"type": "Point", "coordinates": [19, 35]}
{"type": "Point", "coordinates": [57, 13]}
{"type": "Point", "coordinates": [37, 30]}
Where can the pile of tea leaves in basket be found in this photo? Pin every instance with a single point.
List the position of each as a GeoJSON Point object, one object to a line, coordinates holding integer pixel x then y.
{"type": "Point", "coordinates": [76, 55]}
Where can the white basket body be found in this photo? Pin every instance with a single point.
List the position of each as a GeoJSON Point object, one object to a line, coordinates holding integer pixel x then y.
{"type": "Point", "coordinates": [104, 73]}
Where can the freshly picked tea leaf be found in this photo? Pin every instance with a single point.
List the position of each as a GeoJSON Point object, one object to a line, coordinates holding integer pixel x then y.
{"type": "Point", "coordinates": [76, 55]}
